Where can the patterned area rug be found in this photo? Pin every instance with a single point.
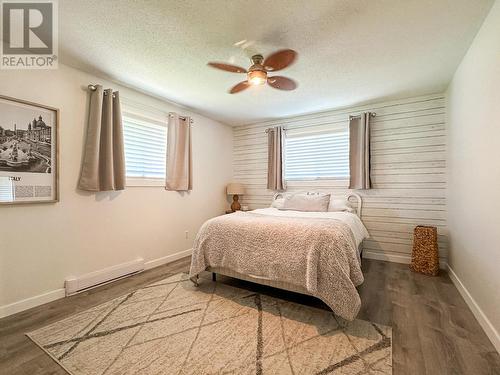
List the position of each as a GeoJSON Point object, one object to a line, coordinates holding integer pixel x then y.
{"type": "Point", "coordinates": [173, 327]}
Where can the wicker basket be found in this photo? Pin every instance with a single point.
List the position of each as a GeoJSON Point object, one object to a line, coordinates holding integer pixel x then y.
{"type": "Point", "coordinates": [425, 255]}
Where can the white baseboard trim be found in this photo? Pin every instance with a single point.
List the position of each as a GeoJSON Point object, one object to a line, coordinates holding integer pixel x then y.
{"type": "Point", "coordinates": [53, 295]}
{"type": "Point", "coordinates": [483, 320]}
{"type": "Point", "coordinates": [31, 302]}
{"type": "Point", "coordinates": [90, 280]}
{"type": "Point", "coordinates": [167, 259]}
{"type": "Point", "coordinates": [396, 258]}
{"type": "Point", "coordinates": [369, 254]}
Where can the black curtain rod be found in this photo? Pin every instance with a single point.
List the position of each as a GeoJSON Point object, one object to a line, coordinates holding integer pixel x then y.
{"type": "Point", "coordinates": [372, 114]}
{"type": "Point", "coordinates": [93, 88]}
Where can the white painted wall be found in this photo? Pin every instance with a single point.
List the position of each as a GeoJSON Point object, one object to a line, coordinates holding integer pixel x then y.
{"type": "Point", "coordinates": [40, 245]}
{"type": "Point", "coordinates": [474, 172]}
{"type": "Point", "coordinates": [408, 170]}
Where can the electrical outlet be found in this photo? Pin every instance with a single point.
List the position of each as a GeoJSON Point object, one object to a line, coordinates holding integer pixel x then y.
{"type": "Point", "coordinates": [186, 234]}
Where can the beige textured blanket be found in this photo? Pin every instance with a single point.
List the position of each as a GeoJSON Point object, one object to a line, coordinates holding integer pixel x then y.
{"type": "Point", "coordinates": [316, 254]}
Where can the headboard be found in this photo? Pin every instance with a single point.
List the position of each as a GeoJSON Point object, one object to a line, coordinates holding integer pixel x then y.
{"type": "Point", "coordinates": [348, 196]}
{"type": "Point", "coordinates": [359, 202]}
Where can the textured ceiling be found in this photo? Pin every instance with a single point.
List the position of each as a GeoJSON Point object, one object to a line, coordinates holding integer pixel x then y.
{"type": "Point", "coordinates": [350, 51]}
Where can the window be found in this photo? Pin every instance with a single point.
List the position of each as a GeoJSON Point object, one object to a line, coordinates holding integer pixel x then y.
{"type": "Point", "coordinates": [313, 155]}
{"type": "Point", "coordinates": [145, 150]}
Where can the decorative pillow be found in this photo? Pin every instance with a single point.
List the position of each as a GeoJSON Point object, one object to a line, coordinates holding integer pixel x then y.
{"type": "Point", "coordinates": [278, 202]}
{"type": "Point", "coordinates": [307, 202]}
{"type": "Point", "coordinates": [340, 204]}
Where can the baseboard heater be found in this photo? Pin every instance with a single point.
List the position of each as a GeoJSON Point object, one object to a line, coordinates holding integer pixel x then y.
{"type": "Point", "coordinates": [79, 284]}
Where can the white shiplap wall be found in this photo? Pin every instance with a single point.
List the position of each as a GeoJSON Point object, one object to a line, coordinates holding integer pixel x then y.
{"type": "Point", "coordinates": [408, 170]}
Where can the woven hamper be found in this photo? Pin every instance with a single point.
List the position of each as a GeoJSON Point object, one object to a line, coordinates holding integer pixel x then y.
{"type": "Point", "coordinates": [425, 255]}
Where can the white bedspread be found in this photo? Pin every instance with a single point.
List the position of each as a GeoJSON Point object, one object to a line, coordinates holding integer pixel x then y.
{"type": "Point", "coordinates": [352, 220]}
{"type": "Point", "coordinates": [313, 251]}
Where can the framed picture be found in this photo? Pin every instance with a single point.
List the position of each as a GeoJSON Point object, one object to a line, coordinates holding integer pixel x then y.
{"type": "Point", "coordinates": [29, 156]}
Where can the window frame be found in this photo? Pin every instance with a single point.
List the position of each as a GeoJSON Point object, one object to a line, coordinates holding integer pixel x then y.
{"type": "Point", "coordinates": [154, 119]}
{"type": "Point", "coordinates": [309, 131]}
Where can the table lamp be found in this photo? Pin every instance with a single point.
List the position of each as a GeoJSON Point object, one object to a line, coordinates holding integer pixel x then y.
{"type": "Point", "coordinates": [235, 189]}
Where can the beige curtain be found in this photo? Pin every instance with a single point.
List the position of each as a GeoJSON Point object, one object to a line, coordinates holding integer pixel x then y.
{"type": "Point", "coordinates": [103, 165]}
{"type": "Point", "coordinates": [275, 180]}
{"type": "Point", "coordinates": [359, 151]}
{"type": "Point", "coordinates": [179, 160]}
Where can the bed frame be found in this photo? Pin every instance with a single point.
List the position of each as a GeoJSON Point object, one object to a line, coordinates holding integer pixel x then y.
{"type": "Point", "coordinates": [272, 283]}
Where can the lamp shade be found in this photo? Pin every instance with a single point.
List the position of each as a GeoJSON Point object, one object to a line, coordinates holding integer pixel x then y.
{"type": "Point", "coordinates": [235, 189]}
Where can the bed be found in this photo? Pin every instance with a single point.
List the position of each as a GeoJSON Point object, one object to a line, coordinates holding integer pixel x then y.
{"type": "Point", "coordinates": [313, 253]}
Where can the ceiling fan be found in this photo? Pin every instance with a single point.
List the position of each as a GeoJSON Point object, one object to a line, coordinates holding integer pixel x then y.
{"type": "Point", "coordinates": [257, 74]}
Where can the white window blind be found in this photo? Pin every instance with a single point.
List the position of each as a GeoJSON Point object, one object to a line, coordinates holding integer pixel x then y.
{"type": "Point", "coordinates": [313, 154]}
{"type": "Point", "coordinates": [145, 148]}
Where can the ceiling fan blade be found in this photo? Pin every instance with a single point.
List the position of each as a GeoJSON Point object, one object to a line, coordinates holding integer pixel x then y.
{"type": "Point", "coordinates": [248, 46]}
{"type": "Point", "coordinates": [281, 83]}
{"type": "Point", "coordinates": [227, 67]}
{"type": "Point", "coordinates": [239, 87]}
{"type": "Point", "coordinates": [280, 60]}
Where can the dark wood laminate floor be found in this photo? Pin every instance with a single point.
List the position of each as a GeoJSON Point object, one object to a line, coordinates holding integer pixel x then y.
{"type": "Point", "coordinates": [434, 332]}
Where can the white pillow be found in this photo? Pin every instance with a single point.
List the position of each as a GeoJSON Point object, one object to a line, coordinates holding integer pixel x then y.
{"type": "Point", "coordinates": [340, 204]}
{"type": "Point", "coordinates": [307, 202]}
{"type": "Point", "coordinates": [278, 203]}
{"type": "Point", "coordinates": [280, 200]}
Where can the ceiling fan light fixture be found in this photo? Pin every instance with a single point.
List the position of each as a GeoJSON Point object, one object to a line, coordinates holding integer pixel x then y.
{"type": "Point", "coordinates": [257, 77]}
{"type": "Point", "coordinates": [257, 74]}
